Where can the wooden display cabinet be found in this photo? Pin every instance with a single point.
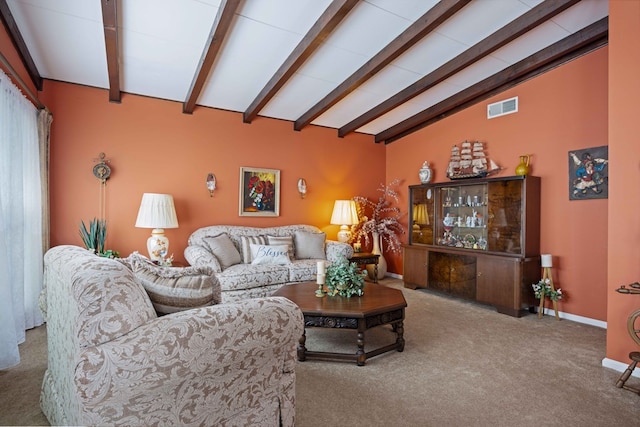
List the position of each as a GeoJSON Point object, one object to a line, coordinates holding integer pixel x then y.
{"type": "Point", "coordinates": [476, 239]}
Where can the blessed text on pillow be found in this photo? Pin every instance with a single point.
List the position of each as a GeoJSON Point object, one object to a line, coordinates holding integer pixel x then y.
{"type": "Point", "coordinates": [266, 254]}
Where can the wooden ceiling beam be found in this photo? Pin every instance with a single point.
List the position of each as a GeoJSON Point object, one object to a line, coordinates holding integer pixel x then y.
{"type": "Point", "coordinates": [580, 43]}
{"type": "Point", "coordinates": [19, 44]}
{"type": "Point", "coordinates": [110, 23]}
{"type": "Point", "coordinates": [412, 35]}
{"type": "Point", "coordinates": [320, 30]}
{"type": "Point", "coordinates": [219, 31]}
{"type": "Point", "coordinates": [536, 16]}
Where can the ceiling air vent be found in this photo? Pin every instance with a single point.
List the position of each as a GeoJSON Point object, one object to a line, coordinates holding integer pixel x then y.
{"type": "Point", "coordinates": [501, 108]}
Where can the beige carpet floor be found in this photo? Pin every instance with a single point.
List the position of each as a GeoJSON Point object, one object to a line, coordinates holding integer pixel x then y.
{"type": "Point", "coordinates": [463, 364]}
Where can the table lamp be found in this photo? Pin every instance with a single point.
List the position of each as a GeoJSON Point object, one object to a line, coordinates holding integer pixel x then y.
{"type": "Point", "coordinates": [157, 212]}
{"type": "Point", "coordinates": [344, 214]}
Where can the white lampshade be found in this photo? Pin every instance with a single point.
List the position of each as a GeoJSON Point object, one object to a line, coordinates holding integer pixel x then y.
{"type": "Point", "coordinates": [344, 214]}
{"type": "Point", "coordinates": [157, 211]}
{"type": "Point", "coordinates": [546, 260]}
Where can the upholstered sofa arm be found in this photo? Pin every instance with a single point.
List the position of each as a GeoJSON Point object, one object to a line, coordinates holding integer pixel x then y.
{"type": "Point", "coordinates": [196, 359]}
{"type": "Point", "coordinates": [337, 250]}
{"type": "Point", "coordinates": [198, 256]}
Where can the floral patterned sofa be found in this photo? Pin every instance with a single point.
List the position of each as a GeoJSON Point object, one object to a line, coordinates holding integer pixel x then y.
{"type": "Point", "coordinates": [113, 361]}
{"type": "Point", "coordinates": [227, 250]}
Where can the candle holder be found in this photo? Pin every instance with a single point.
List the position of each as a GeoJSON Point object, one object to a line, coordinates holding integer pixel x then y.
{"type": "Point", "coordinates": [320, 281]}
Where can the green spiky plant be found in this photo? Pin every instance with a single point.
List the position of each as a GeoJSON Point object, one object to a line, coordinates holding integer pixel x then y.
{"type": "Point", "coordinates": [344, 278]}
{"type": "Point", "coordinates": [95, 236]}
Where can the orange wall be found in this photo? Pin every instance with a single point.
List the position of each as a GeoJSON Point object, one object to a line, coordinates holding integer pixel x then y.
{"type": "Point", "coordinates": [624, 152]}
{"type": "Point", "coordinates": [560, 111]}
{"type": "Point", "coordinates": [153, 147]}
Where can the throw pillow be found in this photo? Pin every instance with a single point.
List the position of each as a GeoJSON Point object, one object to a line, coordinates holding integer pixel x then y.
{"type": "Point", "coordinates": [265, 254]}
{"type": "Point", "coordinates": [309, 245]}
{"type": "Point", "coordinates": [223, 249]}
{"type": "Point", "coordinates": [246, 246]}
{"type": "Point", "coordinates": [282, 240]}
{"type": "Point", "coordinates": [176, 289]}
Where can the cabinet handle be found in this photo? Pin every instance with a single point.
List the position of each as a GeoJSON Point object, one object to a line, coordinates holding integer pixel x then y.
{"type": "Point", "coordinates": [479, 273]}
{"type": "Point", "coordinates": [453, 269]}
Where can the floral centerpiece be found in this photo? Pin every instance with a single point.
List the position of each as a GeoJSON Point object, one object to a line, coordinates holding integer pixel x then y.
{"type": "Point", "coordinates": [344, 278]}
{"type": "Point", "coordinates": [544, 289]}
{"type": "Point", "coordinates": [380, 218]}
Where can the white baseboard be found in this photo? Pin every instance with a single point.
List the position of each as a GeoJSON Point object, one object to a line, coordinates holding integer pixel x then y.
{"type": "Point", "coordinates": [619, 366]}
{"type": "Point", "coordinates": [606, 362]}
{"type": "Point", "coordinates": [576, 318]}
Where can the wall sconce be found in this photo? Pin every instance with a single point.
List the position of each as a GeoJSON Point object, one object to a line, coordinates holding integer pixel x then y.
{"type": "Point", "coordinates": [302, 187]}
{"type": "Point", "coordinates": [211, 184]}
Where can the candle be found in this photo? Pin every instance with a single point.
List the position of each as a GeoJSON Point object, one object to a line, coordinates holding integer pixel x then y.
{"type": "Point", "coordinates": [321, 267]}
{"type": "Point", "coordinates": [320, 279]}
{"type": "Point", "coordinates": [546, 260]}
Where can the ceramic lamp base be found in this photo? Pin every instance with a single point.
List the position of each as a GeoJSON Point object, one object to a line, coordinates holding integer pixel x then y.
{"type": "Point", "coordinates": [158, 245]}
{"type": "Point", "coordinates": [344, 234]}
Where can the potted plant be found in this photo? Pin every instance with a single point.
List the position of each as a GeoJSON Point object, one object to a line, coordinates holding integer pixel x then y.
{"type": "Point", "coordinates": [344, 278]}
{"type": "Point", "coordinates": [95, 236]}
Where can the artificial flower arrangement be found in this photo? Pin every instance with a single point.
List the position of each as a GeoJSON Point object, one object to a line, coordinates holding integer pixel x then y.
{"type": "Point", "coordinates": [383, 218]}
{"type": "Point", "coordinates": [344, 278]}
{"type": "Point", "coordinates": [543, 289]}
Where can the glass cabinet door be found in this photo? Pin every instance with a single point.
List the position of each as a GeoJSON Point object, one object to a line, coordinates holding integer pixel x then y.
{"type": "Point", "coordinates": [505, 216]}
{"type": "Point", "coordinates": [422, 215]}
{"type": "Point", "coordinates": [462, 216]}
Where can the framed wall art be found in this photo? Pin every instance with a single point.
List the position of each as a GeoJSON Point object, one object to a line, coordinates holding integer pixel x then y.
{"type": "Point", "coordinates": [588, 173]}
{"type": "Point", "coordinates": [259, 192]}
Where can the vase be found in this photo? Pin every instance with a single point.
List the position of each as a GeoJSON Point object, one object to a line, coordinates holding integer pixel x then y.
{"type": "Point", "coordinates": [382, 263]}
{"type": "Point", "coordinates": [523, 167]}
{"type": "Point", "coordinates": [425, 173]}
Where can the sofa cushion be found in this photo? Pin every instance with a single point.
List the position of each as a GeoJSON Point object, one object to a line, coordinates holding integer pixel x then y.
{"type": "Point", "coordinates": [224, 250]}
{"type": "Point", "coordinates": [176, 289]}
{"type": "Point", "coordinates": [246, 242]}
{"type": "Point", "coordinates": [243, 276]}
{"type": "Point", "coordinates": [309, 245]}
{"type": "Point", "coordinates": [267, 254]}
{"type": "Point", "coordinates": [283, 240]}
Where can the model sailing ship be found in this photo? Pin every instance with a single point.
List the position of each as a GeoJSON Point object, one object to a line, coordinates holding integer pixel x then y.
{"type": "Point", "coordinates": [470, 161]}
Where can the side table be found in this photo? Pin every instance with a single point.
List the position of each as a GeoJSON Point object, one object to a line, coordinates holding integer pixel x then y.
{"type": "Point", "coordinates": [364, 258]}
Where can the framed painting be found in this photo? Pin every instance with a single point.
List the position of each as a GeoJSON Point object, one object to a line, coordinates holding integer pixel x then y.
{"type": "Point", "coordinates": [588, 173]}
{"type": "Point", "coordinates": [259, 192]}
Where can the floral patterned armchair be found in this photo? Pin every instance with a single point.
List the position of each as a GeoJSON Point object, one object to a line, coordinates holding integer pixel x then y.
{"type": "Point", "coordinates": [112, 361]}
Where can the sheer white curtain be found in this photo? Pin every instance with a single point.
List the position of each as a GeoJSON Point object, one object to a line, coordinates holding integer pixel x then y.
{"type": "Point", "coordinates": [20, 221]}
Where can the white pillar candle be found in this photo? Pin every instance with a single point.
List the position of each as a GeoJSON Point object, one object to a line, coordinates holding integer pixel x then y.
{"type": "Point", "coordinates": [320, 279]}
{"type": "Point", "coordinates": [321, 267]}
{"type": "Point", "coordinates": [546, 260]}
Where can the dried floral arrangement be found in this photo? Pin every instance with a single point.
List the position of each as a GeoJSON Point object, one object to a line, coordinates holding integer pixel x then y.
{"type": "Point", "coordinates": [380, 217]}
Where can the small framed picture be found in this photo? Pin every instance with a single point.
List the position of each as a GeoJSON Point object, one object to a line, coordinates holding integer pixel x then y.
{"type": "Point", "coordinates": [589, 173]}
{"type": "Point", "coordinates": [259, 192]}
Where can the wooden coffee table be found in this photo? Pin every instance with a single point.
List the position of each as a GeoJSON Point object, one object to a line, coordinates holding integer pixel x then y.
{"type": "Point", "coordinates": [378, 306]}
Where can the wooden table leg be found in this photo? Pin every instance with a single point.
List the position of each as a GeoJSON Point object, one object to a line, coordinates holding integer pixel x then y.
{"type": "Point", "coordinates": [399, 328]}
{"type": "Point", "coordinates": [302, 350]}
{"type": "Point", "coordinates": [361, 357]}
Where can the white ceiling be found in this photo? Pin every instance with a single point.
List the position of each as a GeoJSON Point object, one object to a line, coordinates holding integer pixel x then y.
{"type": "Point", "coordinates": [162, 41]}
